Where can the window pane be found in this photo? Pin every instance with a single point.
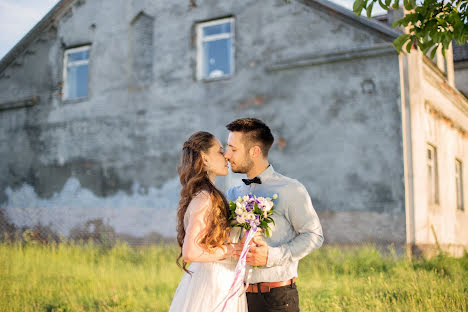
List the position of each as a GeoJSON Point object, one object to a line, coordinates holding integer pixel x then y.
{"type": "Point", "coordinates": [217, 29]}
{"type": "Point", "coordinates": [429, 184]}
{"type": "Point", "coordinates": [77, 82]}
{"type": "Point", "coordinates": [78, 56]}
{"type": "Point", "coordinates": [459, 184]}
{"type": "Point", "coordinates": [217, 58]}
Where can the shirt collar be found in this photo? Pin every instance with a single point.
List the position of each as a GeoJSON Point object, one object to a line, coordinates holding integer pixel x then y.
{"type": "Point", "coordinates": [267, 173]}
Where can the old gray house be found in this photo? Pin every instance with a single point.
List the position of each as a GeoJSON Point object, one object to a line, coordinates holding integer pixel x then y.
{"type": "Point", "coordinates": [98, 98]}
{"type": "Point", "coordinates": [460, 60]}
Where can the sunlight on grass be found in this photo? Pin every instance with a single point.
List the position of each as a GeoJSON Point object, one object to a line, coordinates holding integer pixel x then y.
{"type": "Point", "coordinates": [68, 277]}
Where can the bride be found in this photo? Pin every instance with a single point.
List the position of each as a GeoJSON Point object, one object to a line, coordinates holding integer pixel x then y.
{"type": "Point", "coordinates": [203, 230]}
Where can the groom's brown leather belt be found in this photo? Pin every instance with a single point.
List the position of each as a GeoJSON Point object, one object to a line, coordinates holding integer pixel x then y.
{"type": "Point", "coordinates": [267, 286]}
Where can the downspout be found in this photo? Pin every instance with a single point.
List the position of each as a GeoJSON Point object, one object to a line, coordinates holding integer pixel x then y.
{"type": "Point", "coordinates": [407, 152]}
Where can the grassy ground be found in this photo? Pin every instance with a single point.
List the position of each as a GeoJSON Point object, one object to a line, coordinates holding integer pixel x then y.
{"type": "Point", "coordinates": [68, 277]}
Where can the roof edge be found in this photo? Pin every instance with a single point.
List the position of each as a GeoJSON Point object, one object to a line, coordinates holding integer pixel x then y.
{"type": "Point", "coordinates": [62, 5]}
{"type": "Point", "coordinates": [375, 25]}
{"type": "Point", "coordinates": [43, 24]}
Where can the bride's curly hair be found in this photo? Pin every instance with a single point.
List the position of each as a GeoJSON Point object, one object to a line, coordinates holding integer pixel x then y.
{"type": "Point", "coordinates": [194, 178]}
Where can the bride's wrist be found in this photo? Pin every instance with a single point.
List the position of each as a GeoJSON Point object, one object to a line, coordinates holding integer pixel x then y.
{"type": "Point", "coordinates": [228, 248]}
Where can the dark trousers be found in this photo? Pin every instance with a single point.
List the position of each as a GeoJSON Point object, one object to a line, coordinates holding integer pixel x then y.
{"type": "Point", "coordinates": [283, 298]}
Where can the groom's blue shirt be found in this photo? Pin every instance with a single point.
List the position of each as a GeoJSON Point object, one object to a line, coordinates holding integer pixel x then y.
{"type": "Point", "coordinates": [296, 232]}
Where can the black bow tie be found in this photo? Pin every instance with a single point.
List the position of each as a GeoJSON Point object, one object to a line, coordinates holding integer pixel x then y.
{"type": "Point", "coordinates": [250, 181]}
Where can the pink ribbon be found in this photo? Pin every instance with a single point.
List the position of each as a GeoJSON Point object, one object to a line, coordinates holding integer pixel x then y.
{"type": "Point", "coordinates": [238, 283]}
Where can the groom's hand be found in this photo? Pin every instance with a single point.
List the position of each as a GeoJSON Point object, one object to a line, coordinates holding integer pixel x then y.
{"type": "Point", "coordinates": [258, 253]}
{"type": "Point", "coordinates": [240, 245]}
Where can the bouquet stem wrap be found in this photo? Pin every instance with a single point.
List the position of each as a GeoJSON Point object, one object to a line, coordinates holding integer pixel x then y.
{"type": "Point", "coordinates": [237, 286]}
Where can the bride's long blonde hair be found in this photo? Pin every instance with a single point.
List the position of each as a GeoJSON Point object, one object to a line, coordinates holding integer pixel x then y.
{"type": "Point", "coordinates": [194, 178]}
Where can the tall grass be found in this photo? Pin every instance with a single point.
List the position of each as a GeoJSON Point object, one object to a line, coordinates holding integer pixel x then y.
{"type": "Point", "coordinates": [364, 279]}
{"type": "Point", "coordinates": [68, 277]}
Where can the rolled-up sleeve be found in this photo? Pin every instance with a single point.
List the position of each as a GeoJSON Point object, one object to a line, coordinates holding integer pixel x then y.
{"type": "Point", "coordinates": [305, 222]}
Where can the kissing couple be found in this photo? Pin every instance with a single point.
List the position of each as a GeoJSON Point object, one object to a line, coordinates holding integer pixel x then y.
{"type": "Point", "coordinates": [213, 248]}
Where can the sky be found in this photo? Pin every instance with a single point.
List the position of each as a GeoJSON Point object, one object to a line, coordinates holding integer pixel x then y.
{"type": "Point", "coordinates": [18, 17]}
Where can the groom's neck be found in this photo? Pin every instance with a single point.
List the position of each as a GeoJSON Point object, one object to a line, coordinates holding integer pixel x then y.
{"type": "Point", "coordinates": [258, 168]}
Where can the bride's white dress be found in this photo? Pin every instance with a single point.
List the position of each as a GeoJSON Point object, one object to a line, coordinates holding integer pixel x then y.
{"type": "Point", "coordinates": [211, 277]}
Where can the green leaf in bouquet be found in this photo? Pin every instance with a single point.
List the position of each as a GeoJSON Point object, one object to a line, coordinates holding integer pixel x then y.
{"type": "Point", "coordinates": [256, 209]}
{"type": "Point", "coordinates": [267, 232]}
{"type": "Point", "coordinates": [271, 220]}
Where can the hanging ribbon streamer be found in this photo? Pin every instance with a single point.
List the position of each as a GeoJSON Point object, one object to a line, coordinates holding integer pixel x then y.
{"type": "Point", "coordinates": [238, 283]}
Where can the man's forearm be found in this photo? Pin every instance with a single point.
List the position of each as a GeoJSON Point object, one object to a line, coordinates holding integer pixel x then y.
{"type": "Point", "coordinates": [296, 249]}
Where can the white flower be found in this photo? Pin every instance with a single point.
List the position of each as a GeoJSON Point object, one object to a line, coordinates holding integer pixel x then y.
{"type": "Point", "coordinates": [268, 205]}
{"type": "Point", "coordinates": [246, 216]}
{"type": "Point", "coordinates": [239, 199]}
{"type": "Point", "coordinates": [239, 210]}
{"type": "Point", "coordinates": [245, 198]}
{"type": "Point", "coordinates": [275, 196]}
{"type": "Point", "coordinates": [240, 220]}
{"type": "Point", "coordinates": [250, 216]}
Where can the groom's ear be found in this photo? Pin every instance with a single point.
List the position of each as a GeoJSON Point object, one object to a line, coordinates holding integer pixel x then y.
{"type": "Point", "coordinates": [255, 151]}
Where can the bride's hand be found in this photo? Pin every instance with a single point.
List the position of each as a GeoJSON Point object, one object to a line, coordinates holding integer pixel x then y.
{"type": "Point", "coordinates": [229, 250]}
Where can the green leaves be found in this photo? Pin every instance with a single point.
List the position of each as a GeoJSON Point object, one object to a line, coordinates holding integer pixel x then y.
{"type": "Point", "coordinates": [369, 9]}
{"type": "Point", "coordinates": [382, 5]}
{"type": "Point", "coordinates": [232, 209]}
{"type": "Point", "coordinates": [358, 6]}
{"type": "Point", "coordinates": [257, 210]}
{"type": "Point", "coordinates": [400, 41]}
{"type": "Point", "coordinates": [409, 4]}
{"type": "Point", "coordinates": [431, 23]}
{"type": "Point", "coordinates": [433, 52]}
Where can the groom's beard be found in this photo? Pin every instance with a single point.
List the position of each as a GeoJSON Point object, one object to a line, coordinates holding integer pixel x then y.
{"type": "Point", "coordinates": [243, 167]}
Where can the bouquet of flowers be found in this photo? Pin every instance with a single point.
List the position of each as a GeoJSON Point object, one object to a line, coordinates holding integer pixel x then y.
{"type": "Point", "coordinates": [252, 212]}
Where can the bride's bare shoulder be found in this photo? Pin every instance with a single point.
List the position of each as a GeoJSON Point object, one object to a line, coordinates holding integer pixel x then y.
{"type": "Point", "coordinates": [201, 199]}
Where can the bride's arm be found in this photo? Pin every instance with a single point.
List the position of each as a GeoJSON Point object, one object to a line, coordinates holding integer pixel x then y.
{"type": "Point", "coordinates": [192, 250]}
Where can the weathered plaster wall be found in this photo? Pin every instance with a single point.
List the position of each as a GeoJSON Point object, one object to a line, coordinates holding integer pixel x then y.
{"type": "Point", "coordinates": [336, 122]}
{"type": "Point", "coordinates": [439, 116]}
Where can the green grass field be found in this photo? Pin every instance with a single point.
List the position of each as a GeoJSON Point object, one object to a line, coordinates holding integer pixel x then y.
{"type": "Point", "coordinates": [67, 277]}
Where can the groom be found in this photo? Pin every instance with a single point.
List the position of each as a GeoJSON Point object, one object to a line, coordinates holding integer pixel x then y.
{"type": "Point", "coordinates": [297, 230]}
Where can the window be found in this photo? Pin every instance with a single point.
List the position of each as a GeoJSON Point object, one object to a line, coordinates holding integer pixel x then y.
{"type": "Point", "coordinates": [75, 73]}
{"type": "Point", "coordinates": [215, 57]}
{"type": "Point", "coordinates": [459, 184]}
{"type": "Point", "coordinates": [432, 175]}
{"type": "Point", "coordinates": [141, 49]}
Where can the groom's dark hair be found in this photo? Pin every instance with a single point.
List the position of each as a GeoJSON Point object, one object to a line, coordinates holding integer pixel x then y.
{"type": "Point", "coordinates": [256, 133]}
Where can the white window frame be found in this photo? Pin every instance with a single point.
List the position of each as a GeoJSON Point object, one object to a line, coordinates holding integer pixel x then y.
{"type": "Point", "coordinates": [75, 63]}
{"type": "Point", "coordinates": [201, 39]}
{"type": "Point", "coordinates": [433, 181]}
{"type": "Point", "coordinates": [459, 184]}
